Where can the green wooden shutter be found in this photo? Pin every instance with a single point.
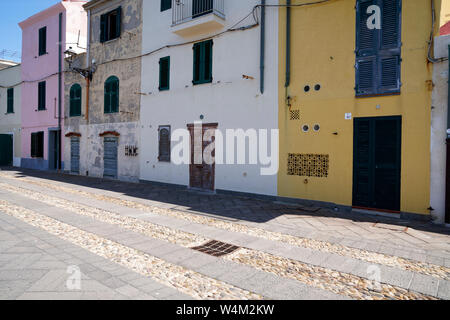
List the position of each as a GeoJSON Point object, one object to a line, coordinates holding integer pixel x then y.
{"type": "Point", "coordinates": [118, 22]}
{"type": "Point", "coordinates": [115, 96]}
{"type": "Point", "coordinates": [197, 54]}
{"type": "Point", "coordinates": [10, 99]}
{"type": "Point", "coordinates": [390, 48]}
{"type": "Point", "coordinates": [363, 163]}
{"type": "Point", "coordinates": [208, 60]}
{"type": "Point", "coordinates": [41, 95]}
{"type": "Point", "coordinates": [42, 41]}
{"type": "Point", "coordinates": [33, 145]}
{"type": "Point", "coordinates": [103, 27]}
{"type": "Point", "coordinates": [164, 73]}
{"type": "Point", "coordinates": [75, 100]}
{"type": "Point", "coordinates": [107, 97]}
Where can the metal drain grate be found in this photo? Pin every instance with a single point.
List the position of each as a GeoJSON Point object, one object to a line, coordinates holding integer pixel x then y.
{"type": "Point", "coordinates": [216, 248]}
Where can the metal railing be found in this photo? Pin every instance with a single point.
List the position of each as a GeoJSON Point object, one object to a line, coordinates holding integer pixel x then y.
{"type": "Point", "coordinates": [187, 10]}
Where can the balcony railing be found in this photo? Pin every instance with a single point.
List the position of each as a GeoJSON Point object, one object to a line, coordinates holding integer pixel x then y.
{"type": "Point", "coordinates": [187, 10]}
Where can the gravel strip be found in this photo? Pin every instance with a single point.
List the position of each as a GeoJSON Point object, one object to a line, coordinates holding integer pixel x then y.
{"type": "Point", "coordinates": [337, 282]}
{"type": "Point", "coordinates": [189, 282]}
{"type": "Point", "coordinates": [364, 255]}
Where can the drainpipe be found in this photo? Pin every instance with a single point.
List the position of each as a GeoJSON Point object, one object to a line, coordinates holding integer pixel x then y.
{"type": "Point", "coordinates": [288, 44]}
{"type": "Point", "coordinates": [88, 63]}
{"type": "Point", "coordinates": [448, 101]}
{"type": "Point", "coordinates": [447, 192]}
{"type": "Point", "coordinates": [263, 44]}
{"type": "Point", "coordinates": [59, 140]}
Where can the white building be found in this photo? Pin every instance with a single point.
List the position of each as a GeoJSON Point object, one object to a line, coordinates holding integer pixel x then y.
{"type": "Point", "coordinates": [10, 113]}
{"type": "Point", "coordinates": [194, 68]}
{"type": "Point", "coordinates": [439, 127]}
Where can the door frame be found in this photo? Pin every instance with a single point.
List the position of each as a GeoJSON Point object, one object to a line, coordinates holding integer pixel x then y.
{"type": "Point", "coordinates": [399, 118]}
{"type": "Point", "coordinates": [190, 127]}
{"type": "Point", "coordinates": [53, 156]}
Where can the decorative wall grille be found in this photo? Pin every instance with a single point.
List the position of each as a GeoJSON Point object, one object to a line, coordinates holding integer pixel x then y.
{"type": "Point", "coordinates": [308, 165]}
{"type": "Point", "coordinates": [295, 114]}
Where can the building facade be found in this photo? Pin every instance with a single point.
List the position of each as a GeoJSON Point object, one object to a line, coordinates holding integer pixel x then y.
{"type": "Point", "coordinates": [10, 114]}
{"type": "Point", "coordinates": [209, 65]}
{"type": "Point", "coordinates": [101, 132]}
{"type": "Point", "coordinates": [355, 118]}
{"type": "Point", "coordinates": [45, 38]}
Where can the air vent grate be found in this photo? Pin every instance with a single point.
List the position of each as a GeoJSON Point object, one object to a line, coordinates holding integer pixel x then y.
{"type": "Point", "coordinates": [216, 248]}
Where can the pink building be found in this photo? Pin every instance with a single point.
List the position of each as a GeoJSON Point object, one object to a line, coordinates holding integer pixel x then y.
{"type": "Point", "coordinates": [45, 38]}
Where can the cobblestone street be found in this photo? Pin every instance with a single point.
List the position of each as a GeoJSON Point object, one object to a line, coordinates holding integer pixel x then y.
{"type": "Point", "coordinates": [146, 241]}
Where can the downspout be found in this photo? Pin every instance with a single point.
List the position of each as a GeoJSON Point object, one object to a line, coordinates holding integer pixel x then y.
{"type": "Point", "coordinates": [59, 140]}
{"type": "Point", "coordinates": [447, 192]}
{"type": "Point", "coordinates": [88, 64]}
{"type": "Point", "coordinates": [448, 103]}
{"type": "Point", "coordinates": [263, 44]}
{"type": "Point", "coordinates": [288, 44]}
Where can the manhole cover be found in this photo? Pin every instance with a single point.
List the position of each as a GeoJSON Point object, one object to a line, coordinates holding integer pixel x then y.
{"type": "Point", "coordinates": [216, 248]}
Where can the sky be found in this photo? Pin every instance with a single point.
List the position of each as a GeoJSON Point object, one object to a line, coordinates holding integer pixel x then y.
{"type": "Point", "coordinates": [11, 13]}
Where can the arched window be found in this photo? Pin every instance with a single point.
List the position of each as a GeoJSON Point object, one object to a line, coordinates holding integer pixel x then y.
{"type": "Point", "coordinates": [112, 95]}
{"type": "Point", "coordinates": [75, 100]}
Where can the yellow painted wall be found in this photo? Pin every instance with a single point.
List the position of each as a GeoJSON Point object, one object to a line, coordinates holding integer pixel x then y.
{"type": "Point", "coordinates": [323, 45]}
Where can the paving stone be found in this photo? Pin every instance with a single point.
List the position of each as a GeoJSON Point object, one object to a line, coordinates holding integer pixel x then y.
{"type": "Point", "coordinates": [424, 284]}
{"type": "Point", "coordinates": [444, 290]}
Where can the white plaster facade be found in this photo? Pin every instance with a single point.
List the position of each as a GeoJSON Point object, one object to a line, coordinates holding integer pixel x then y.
{"type": "Point", "coordinates": [230, 100]}
{"type": "Point", "coordinates": [439, 129]}
{"type": "Point", "coordinates": [11, 123]}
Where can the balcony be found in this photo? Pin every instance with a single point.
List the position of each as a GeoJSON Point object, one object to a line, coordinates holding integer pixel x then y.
{"type": "Point", "coordinates": [192, 17]}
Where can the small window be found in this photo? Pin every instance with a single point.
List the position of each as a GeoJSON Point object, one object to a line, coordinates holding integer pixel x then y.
{"type": "Point", "coordinates": [164, 74]}
{"type": "Point", "coordinates": [164, 144]}
{"type": "Point", "coordinates": [42, 41]}
{"type": "Point", "coordinates": [166, 5]}
{"type": "Point", "coordinates": [10, 99]}
{"type": "Point", "coordinates": [37, 145]}
{"type": "Point", "coordinates": [75, 100]}
{"type": "Point", "coordinates": [203, 62]}
{"type": "Point", "coordinates": [41, 95]}
{"type": "Point", "coordinates": [112, 95]}
{"type": "Point", "coordinates": [110, 25]}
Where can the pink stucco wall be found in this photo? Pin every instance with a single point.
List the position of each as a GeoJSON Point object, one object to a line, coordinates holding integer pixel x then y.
{"type": "Point", "coordinates": [37, 68]}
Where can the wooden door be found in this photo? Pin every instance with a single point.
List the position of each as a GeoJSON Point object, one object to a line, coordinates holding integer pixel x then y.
{"type": "Point", "coordinates": [201, 176]}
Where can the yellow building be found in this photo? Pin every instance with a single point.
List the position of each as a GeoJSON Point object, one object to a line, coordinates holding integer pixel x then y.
{"type": "Point", "coordinates": [355, 103]}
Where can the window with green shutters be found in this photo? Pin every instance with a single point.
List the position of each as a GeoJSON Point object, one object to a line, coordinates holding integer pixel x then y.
{"type": "Point", "coordinates": [10, 101]}
{"type": "Point", "coordinates": [378, 51]}
{"type": "Point", "coordinates": [41, 95]}
{"type": "Point", "coordinates": [164, 74]}
{"type": "Point", "coordinates": [112, 95]}
{"type": "Point", "coordinates": [203, 62]}
{"type": "Point", "coordinates": [37, 145]}
{"type": "Point", "coordinates": [42, 41]}
{"type": "Point", "coordinates": [75, 100]}
{"type": "Point", "coordinates": [166, 5]}
{"type": "Point", "coordinates": [110, 25]}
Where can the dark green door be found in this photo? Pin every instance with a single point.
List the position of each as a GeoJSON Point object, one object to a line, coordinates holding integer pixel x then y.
{"type": "Point", "coordinates": [6, 150]}
{"type": "Point", "coordinates": [377, 163]}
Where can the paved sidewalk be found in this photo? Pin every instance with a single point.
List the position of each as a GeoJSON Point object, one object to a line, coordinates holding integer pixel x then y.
{"type": "Point", "coordinates": [285, 252]}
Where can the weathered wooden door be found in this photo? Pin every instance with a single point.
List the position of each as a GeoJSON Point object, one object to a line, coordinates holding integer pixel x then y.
{"type": "Point", "coordinates": [6, 150]}
{"type": "Point", "coordinates": [75, 155]}
{"type": "Point", "coordinates": [201, 175]}
{"type": "Point", "coordinates": [377, 163]}
{"type": "Point", "coordinates": [110, 158]}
